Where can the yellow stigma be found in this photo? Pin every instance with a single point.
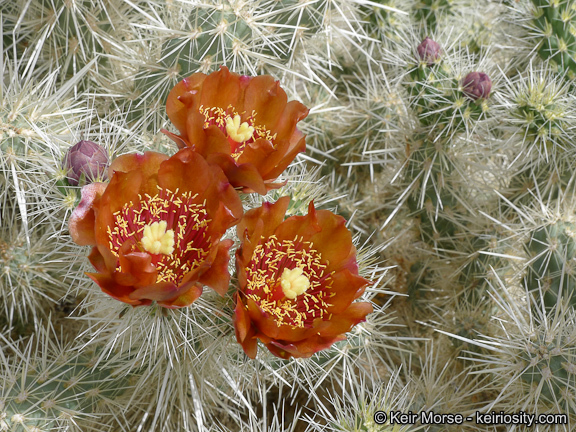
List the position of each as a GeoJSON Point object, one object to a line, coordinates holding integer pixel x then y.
{"type": "Point", "coordinates": [293, 282]}
{"type": "Point", "coordinates": [238, 132]}
{"type": "Point", "coordinates": [157, 240]}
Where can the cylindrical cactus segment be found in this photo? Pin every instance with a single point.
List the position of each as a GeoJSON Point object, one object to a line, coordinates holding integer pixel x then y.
{"type": "Point", "coordinates": [555, 26]}
{"type": "Point", "coordinates": [552, 263]}
{"type": "Point", "coordinates": [551, 364]}
{"type": "Point", "coordinates": [242, 37]}
{"type": "Point", "coordinates": [442, 101]}
{"type": "Point", "coordinates": [45, 395]}
{"type": "Point", "coordinates": [428, 12]}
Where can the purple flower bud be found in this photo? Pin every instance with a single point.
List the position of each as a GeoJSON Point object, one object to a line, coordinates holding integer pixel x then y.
{"type": "Point", "coordinates": [429, 51]}
{"type": "Point", "coordinates": [86, 158]}
{"type": "Point", "coordinates": [477, 85]}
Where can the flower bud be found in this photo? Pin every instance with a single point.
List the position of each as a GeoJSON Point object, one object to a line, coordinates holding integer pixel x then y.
{"type": "Point", "coordinates": [477, 85]}
{"type": "Point", "coordinates": [429, 51]}
{"type": "Point", "coordinates": [86, 158]}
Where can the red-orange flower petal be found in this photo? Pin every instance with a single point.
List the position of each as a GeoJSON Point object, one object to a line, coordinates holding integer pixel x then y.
{"type": "Point", "coordinates": [147, 163]}
{"type": "Point", "coordinates": [291, 296]}
{"type": "Point", "coordinates": [353, 315]}
{"type": "Point", "coordinates": [257, 153]}
{"type": "Point", "coordinates": [245, 332]}
{"type": "Point", "coordinates": [302, 349]}
{"type": "Point", "coordinates": [136, 268]}
{"type": "Point", "coordinates": [188, 293]}
{"type": "Point", "coordinates": [221, 89]}
{"type": "Point", "coordinates": [120, 292]}
{"type": "Point", "coordinates": [213, 276]}
{"type": "Point", "coordinates": [177, 111]}
{"type": "Point", "coordinates": [245, 124]}
{"type": "Point", "coordinates": [299, 226]}
{"type": "Point", "coordinates": [157, 228]}
{"type": "Point", "coordinates": [246, 173]}
{"type": "Point", "coordinates": [81, 223]}
{"type": "Point", "coordinates": [97, 260]}
{"type": "Point", "coordinates": [288, 151]}
{"type": "Point", "coordinates": [265, 96]}
{"type": "Point", "coordinates": [348, 287]}
{"type": "Point", "coordinates": [180, 142]}
{"type": "Point", "coordinates": [269, 215]}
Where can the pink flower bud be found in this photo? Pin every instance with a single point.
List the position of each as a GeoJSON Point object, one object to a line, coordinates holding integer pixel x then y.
{"type": "Point", "coordinates": [477, 85]}
{"type": "Point", "coordinates": [86, 158]}
{"type": "Point", "coordinates": [429, 51]}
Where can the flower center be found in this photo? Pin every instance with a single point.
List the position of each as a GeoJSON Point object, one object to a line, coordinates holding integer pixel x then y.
{"type": "Point", "coordinates": [172, 227]}
{"type": "Point", "coordinates": [288, 280]}
{"type": "Point", "coordinates": [239, 133]}
{"type": "Point", "coordinates": [294, 283]}
{"type": "Point", "coordinates": [157, 240]}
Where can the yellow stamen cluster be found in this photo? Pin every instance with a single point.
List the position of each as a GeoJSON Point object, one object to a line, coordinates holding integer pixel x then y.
{"type": "Point", "coordinates": [294, 282]}
{"type": "Point", "coordinates": [237, 131]}
{"type": "Point", "coordinates": [228, 120]}
{"type": "Point", "coordinates": [294, 268]}
{"type": "Point", "coordinates": [219, 116]}
{"type": "Point", "coordinates": [157, 240]}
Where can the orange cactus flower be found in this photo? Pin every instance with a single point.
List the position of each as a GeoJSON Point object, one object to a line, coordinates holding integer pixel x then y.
{"type": "Point", "coordinates": [298, 279]}
{"type": "Point", "coordinates": [244, 124]}
{"type": "Point", "coordinates": [156, 228]}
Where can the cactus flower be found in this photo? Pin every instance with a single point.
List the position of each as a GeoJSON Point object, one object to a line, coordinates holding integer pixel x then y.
{"type": "Point", "coordinates": [298, 279]}
{"type": "Point", "coordinates": [85, 158]}
{"type": "Point", "coordinates": [244, 124]}
{"type": "Point", "coordinates": [429, 51]}
{"type": "Point", "coordinates": [477, 85]}
{"type": "Point", "coordinates": [156, 230]}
